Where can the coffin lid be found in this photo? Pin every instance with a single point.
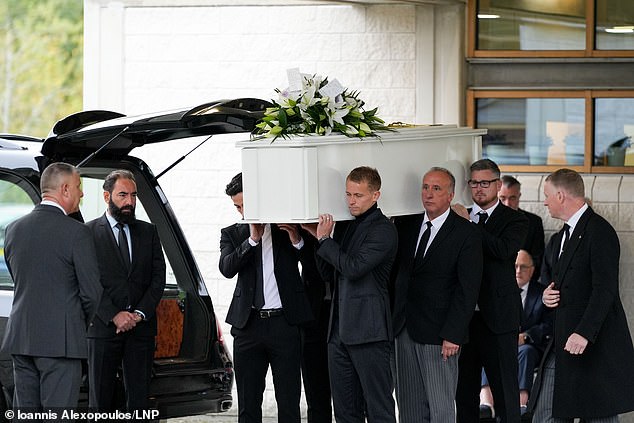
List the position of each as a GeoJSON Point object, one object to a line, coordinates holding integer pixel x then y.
{"type": "Point", "coordinates": [409, 133]}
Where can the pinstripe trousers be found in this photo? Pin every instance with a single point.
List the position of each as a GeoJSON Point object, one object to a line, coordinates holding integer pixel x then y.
{"type": "Point", "coordinates": [544, 407]}
{"type": "Point", "coordinates": [425, 383]}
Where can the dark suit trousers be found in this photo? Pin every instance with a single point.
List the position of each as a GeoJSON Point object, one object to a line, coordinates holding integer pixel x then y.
{"type": "Point", "coordinates": [135, 355]}
{"type": "Point", "coordinates": [497, 353]}
{"type": "Point", "coordinates": [315, 368]}
{"type": "Point", "coordinates": [44, 382]}
{"type": "Point", "coordinates": [263, 342]}
{"type": "Point", "coordinates": [361, 380]}
{"type": "Point", "coordinates": [528, 358]}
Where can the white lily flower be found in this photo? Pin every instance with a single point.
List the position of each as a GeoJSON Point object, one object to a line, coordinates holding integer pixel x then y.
{"type": "Point", "coordinates": [307, 99]}
{"type": "Point", "coordinates": [337, 116]}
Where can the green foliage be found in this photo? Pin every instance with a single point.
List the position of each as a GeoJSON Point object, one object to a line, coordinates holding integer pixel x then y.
{"type": "Point", "coordinates": [41, 59]}
{"type": "Point", "coordinates": [309, 111]}
{"type": "Point", "coordinates": [11, 194]}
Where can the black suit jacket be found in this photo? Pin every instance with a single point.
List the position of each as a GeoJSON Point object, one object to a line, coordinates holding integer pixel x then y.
{"type": "Point", "coordinates": [534, 242]}
{"type": "Point", "coordinates": [600, 381]}
{"type": "Point", "coordinates": [140, 288]}
{"type": "Point", "coordinates": [238, 257]}
{"type": "Point", "coordinates": [536, 319]}
{"type": "Point", "coordinates": [499, 298]}
{"type": "Point", "coordinates": [314, 284]}
{"type": "Point", "coordinates": [361, 271]}
{"type": "Point", "coordinates": [436, 297]}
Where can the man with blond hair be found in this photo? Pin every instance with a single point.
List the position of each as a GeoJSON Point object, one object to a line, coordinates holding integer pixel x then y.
{"type": "Point", "coordinates": [357, 260]}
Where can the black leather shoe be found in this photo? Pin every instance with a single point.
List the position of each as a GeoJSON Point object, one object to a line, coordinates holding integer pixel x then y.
{"type": "Point", "coordinates": [486, 412]}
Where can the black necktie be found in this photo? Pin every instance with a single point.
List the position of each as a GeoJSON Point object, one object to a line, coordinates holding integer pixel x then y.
{"type": "Point", "coordinates": [258, 300]}
{"type": "Point", "coordinates": [482, 218]}
{"type": "Point", "coordinates": [424, 239]}
{"type": "Point", "coordinates": [565, 238]}
{"type": "Point", "coordinates": [122, 239]}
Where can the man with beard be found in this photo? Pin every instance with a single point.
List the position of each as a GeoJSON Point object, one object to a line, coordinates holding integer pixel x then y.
{"type": "Point", "coordinates": [133, 277]}
{"type": "Point", "coordinates": [494, 327]}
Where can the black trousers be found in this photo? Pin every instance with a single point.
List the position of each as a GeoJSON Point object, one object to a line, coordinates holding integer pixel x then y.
{"type": "Point", "coordinates": [361, 380]}
{"type": "Point", "coordinates": [263, 342]}
{"type": "Point", "coordinates": [315, 368]}
{"type": "Point", "coordinates": [135, 356]}
{"type": "Point", "coordinates": [497, 353]}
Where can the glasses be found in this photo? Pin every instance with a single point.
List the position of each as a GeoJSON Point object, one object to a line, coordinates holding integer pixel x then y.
{"type": "Point", "coordinates": [483, 184]}
{"type": "Point", "coordinates": [522, 267]}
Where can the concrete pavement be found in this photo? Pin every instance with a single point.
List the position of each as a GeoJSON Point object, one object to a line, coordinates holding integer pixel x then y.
{"type": "Point", "coordinates": [228, 417]}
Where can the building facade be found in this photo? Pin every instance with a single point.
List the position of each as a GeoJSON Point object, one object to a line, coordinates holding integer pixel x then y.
{"type": "Point", "coordinates": [426, 62]}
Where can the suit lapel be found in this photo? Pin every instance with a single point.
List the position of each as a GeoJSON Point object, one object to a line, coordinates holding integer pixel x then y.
{"type": "Point", "coordinates": [136, 245]}
{"type": "Point", "coordinates": [496, 217]}
{"type": "Point", "coordinates": [444, 231]}
{"type": "Point", "coordinates": [529, 305]}
{"type": "Point", "coordinates": [572, 244]}
{"type": "Point", "coordinates": [107, 237]}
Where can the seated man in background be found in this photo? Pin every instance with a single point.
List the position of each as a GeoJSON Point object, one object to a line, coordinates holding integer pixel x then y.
{"type": "Point", "coordinates": [535, 330]}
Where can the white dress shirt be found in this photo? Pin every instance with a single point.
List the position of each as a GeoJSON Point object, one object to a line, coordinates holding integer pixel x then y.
{"type": "Point", "coordinates": [436, 224]}
{"type": "Point", "coordinates": [572, 222]}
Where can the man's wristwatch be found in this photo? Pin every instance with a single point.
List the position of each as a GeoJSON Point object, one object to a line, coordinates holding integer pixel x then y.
{"type": "Point", "coordinates": [323, 238]}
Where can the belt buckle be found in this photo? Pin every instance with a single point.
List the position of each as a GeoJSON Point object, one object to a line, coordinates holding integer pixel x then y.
{"type": "Point", "coordinates": [265, 314]}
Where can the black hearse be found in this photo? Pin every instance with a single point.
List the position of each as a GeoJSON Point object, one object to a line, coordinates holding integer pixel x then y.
{"type": "Point", "coordinates": [193, 372]}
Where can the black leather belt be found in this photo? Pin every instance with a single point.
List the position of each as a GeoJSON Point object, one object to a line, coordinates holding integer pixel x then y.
{"type": "Point", "coordinates": [271, 312]}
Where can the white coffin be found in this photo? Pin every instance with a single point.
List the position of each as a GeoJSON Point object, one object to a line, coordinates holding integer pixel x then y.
{"type": "Point", "coordinates": [295, 180]}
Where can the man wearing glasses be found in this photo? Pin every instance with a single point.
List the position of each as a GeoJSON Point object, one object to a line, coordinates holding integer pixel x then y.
{"type": "Point", "coordinates": [494, 328]}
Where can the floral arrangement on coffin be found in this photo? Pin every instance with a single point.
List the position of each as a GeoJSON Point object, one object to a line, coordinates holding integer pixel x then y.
{"type": "Point", "coordinates": [314, 105]}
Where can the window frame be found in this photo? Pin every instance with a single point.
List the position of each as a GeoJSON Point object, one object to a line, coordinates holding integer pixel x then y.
{"type": "Point", "coordinates": [588, 95]}
{"type": "Point", "coordinates": [589, 51]}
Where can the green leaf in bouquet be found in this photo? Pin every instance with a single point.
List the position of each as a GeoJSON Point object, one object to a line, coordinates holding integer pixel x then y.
{"type": "Point", "coordinates": [282, 118]}
{"type": "Point", "coordinates": [276, 130]}
{"type": "Point", "coordinates": [363, 127]}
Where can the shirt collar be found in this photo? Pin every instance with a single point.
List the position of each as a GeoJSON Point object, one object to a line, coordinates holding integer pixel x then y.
{"type": "Point", "coordinates": [477, 209]}
{"type": "Point", "coordinates": [54, 204]}
{"type": "Point", "coordinates": [574, 219]}
{"type": "Point", "coordinates": [438, 221]}
{"type": "Point", "coordinates": [111, 220]}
